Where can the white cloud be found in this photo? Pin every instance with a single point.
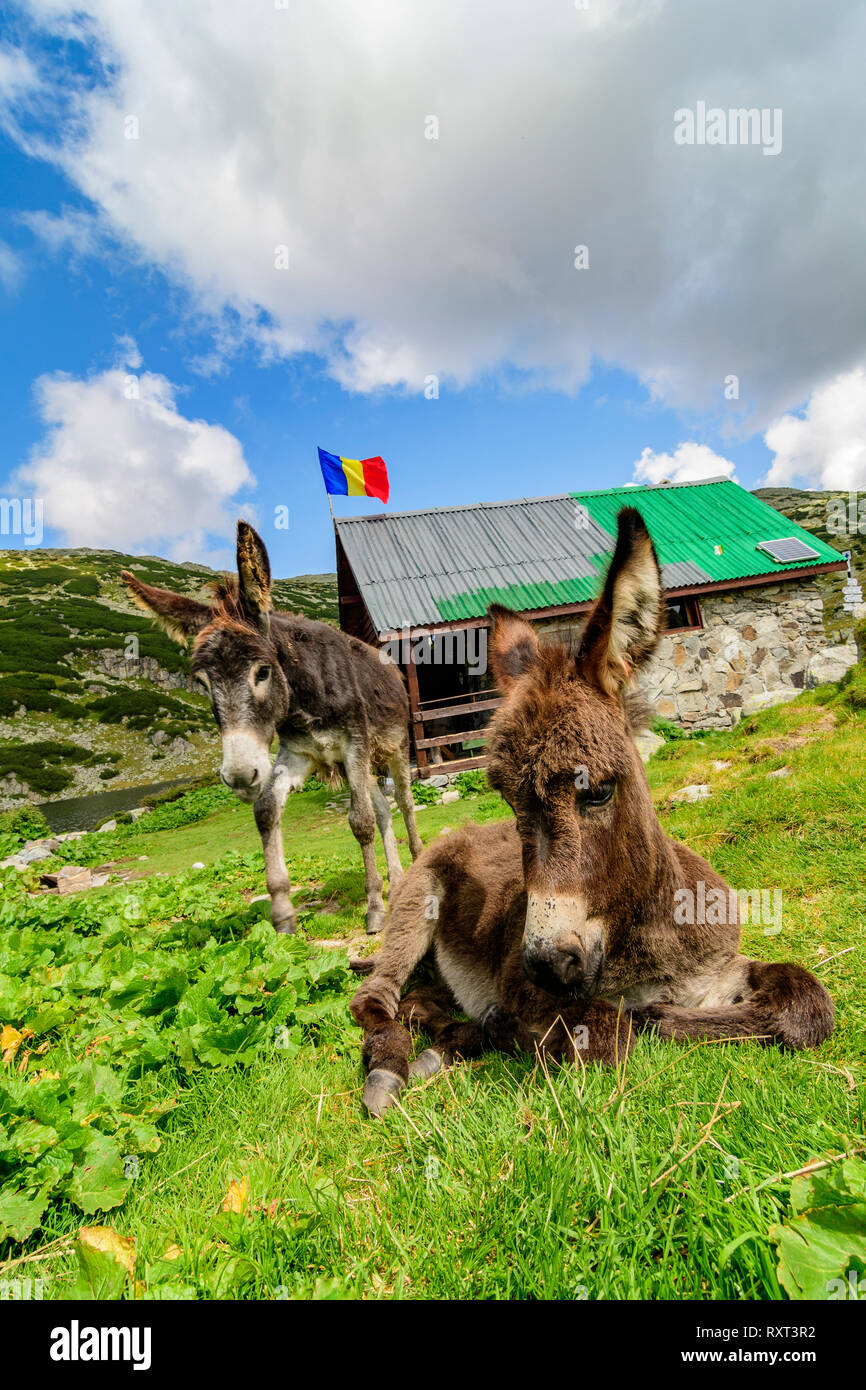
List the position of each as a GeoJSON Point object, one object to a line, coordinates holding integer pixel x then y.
{"type": "Point", "coordinates": [825, 447]}
{"type": "Point", "coordinates": [128, 353]}
{"type": "Point", "coordinates": [260, 127]}
{"type": "Point", "coordinates": [70, 230]}
{"type": "Point", "coordinates": [688, 463]}
{"type": "Point", "coordinates": [120, 468]}
{"type": "Point", "coordinates": [11, 267]}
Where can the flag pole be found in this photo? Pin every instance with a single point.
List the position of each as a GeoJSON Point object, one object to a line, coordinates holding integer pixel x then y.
{"type": "Point", "coordinates": [327, 494]}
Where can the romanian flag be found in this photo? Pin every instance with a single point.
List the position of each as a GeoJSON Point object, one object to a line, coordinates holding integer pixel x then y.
{"type": "Point", "coordinates": [354, 477]}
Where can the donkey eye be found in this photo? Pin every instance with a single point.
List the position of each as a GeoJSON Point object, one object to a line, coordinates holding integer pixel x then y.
{"type": "Point", "coordinates": [262, 674]}
{"type": "Point", "coordinates": [596, 796]}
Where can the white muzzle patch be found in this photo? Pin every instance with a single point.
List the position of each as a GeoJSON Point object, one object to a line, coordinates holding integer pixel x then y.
{"type": "Point", "coordinates": [549, 917]}
{"type": "Point", "coordinates": [246, 763]}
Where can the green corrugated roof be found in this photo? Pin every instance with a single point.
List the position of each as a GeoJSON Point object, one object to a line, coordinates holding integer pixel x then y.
{"type": "Point", "coordinates": [523, 597]}
{"type": "Point", "coordinates": [688, 522]}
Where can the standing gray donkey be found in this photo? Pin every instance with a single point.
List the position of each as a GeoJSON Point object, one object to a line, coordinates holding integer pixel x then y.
{"type": "Point", "coordinates": [338, 707]}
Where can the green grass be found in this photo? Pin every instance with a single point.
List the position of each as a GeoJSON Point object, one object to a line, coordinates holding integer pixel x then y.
{"type": "Point", "coordinates": [499, 1179]}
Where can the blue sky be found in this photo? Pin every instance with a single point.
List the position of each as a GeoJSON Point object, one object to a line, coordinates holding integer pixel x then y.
{"type": "Point", "coordinates": [103, 279]}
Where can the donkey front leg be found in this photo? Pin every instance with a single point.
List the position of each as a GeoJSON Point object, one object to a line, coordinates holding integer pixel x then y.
{"type": "Point", "coordinates": [387, 1042]}
{"type": "Point", "coordinates": [432, 1009]}
{"type": "Point", "coordinates": [362, 821]}
{"type": "Point", "coordinates": [268, 812]}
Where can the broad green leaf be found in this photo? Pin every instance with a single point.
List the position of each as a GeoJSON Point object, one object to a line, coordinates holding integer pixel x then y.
{"type": "Point", "coordinates": [20, 1215]}
{"type": "Point", "coordinates": [97, 1182]}
{"type": "Point", "coordinates": [825, 1239]}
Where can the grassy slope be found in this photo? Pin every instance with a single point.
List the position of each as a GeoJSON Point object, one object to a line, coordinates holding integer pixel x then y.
{"type": "Point", "coordinates": [501, 1180]}
{"type": "Point", "coordinates": [58, 609]}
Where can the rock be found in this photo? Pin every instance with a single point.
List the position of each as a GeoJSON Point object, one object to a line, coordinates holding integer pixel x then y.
{"type": "Point", "coordinates": [198, 864]}
{"type": "Point", "coordinates": [13, 862]}
{"type": "Point", "coordinates": [72, 878]}
{"type": "Point", "coordinates": [782, 772]}
{"type": "Point", "coordinates": [648, 743]}
{"type": "Point", "coordinates": [98, 880]}
{"type": "Point", "coordinates": [446, 830]}
{"type": "Point", "coordinates": [830, 664]}
{"type": "Point", "coordinates": [439, 780]}
{"type": "Point", "coordinates": [158, 738]}
{"type": "Point", "coordinates": [720, 765]}
{"type": "Point", "coordinates": [35, 850]}
{"type": "Point", "coordinates": [141, 858]}
{"type": "Point", "coordinates": [107, 826]}
{"type": "Point", "coordinates": [138, 811]}
{"type": "Point", "coordinates": [765, 699]}
{"type": "Point", "coordinates": [696, 791]}
{"type": "Point", "coordinates": [449, 796]}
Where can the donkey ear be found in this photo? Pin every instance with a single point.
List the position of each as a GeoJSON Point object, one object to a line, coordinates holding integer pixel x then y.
{"type": "Point", "coordinates": [176, 614]}
{"type": "Point", "coordinates": [629, 617]}
{"type": "Point", "coordinates": [254, 575]}
{"type": "Point", "coordinates": [513, 645]}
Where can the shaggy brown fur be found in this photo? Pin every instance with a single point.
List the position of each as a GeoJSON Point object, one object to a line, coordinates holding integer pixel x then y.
{"type": "Point", "coordinates": [336, 707]}
{"type": "Point", "coordinates": [560, 930]}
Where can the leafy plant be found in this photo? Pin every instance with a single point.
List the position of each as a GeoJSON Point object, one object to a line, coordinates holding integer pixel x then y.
{"type": "Point", "coordinates": [110, 1001]}
{"type": "Point", "coordinates": [822, 1245]}
{"type": "Point", "coordinates": [473, 782]}
{"type": "Point", "coordinates": [424, 794]}
{"type": "Point", "coordinates": [20, 825]}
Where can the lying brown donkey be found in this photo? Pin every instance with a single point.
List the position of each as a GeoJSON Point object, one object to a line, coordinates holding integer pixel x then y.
{"type": "Point", "coordinates": [563, 928]}
{"type": "Point", "coordinates": [336, 706]}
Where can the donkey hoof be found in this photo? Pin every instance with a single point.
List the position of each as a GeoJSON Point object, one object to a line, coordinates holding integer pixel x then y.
{"type": "Point", "coordinates": [288, 926]}
{"type": "Point", "coordinates": [426, 1064]}
{"type": "Point", "coordinates": [375, 920]}
{"type": "Point", "coordinates": [380, 1089]}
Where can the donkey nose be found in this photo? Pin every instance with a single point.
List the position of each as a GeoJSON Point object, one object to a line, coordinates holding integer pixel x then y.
{"type": "Point", "coordinates": [572, 963]}
{"type": "Point", "coordinates": [239, 781]}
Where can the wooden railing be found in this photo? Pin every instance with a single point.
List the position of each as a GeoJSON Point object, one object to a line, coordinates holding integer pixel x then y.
{"type": "Point", "coordinates": [429, 711]}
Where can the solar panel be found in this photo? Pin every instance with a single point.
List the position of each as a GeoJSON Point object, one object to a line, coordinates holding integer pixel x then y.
{"type": "Point", "coordinates": [788, 549]}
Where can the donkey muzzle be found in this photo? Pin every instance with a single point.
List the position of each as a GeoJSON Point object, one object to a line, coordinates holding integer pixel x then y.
{"type": "Point", "coordinates": [246, 764]}
{"type": "Point", "coordinates": [563, 950]}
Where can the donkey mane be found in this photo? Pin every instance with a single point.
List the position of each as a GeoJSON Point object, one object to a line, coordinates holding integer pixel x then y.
{"type": "Point", "coordinates": [227, 611]}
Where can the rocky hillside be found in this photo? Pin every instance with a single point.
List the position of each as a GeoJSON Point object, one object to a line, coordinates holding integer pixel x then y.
{"type": "Point", "coordinates": [92, 695]}
{"type": "Point", "coordinates": [819, 512]}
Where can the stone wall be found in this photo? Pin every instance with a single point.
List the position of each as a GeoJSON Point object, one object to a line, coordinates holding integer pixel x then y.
{"type": "Point", "coordinates": [754, 650]}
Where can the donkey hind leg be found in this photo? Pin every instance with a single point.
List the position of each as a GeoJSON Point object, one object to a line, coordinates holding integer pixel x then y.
{"type": "Point", "coordinates": [362, 821]}
{"type": "Point", "coordinates": [268, 812]}
{"type": "Point", "coordinates": [386, 830]}
{"type": "Point", "coordinates": [399, 770]}
{"type": "Point", "coordinates": [778, 1003]}
{"type": "Point", "coordinates": [432, 1010]}
{"type": "Point", "coordinates": [387, 1043]}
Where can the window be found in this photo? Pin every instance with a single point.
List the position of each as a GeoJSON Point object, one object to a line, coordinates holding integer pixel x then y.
{"type": "Point", "coordinates": [684, 613]}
